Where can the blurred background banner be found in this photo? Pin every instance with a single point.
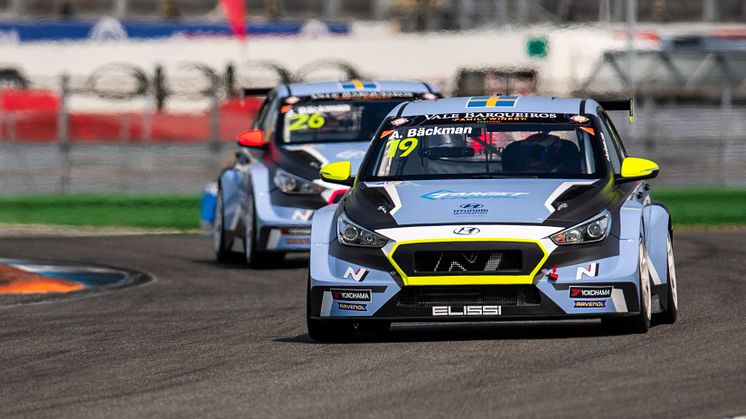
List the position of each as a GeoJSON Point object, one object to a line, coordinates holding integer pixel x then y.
{"type": "Point", "coordinates": [142, 96]}
{"type": "Point", "coordinates": [235, 13]}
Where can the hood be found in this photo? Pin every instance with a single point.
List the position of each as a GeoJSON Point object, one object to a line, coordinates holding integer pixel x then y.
{"type": "Point", "coordinates": [313, 156]}
{"type": "Point", "coordinates": [474, 201]}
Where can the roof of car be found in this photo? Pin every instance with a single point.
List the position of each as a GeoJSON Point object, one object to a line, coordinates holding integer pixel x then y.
{"type": "Point", "coordinates": [496, 103]}
{"type": "Point", "coordinates": [307, 89]}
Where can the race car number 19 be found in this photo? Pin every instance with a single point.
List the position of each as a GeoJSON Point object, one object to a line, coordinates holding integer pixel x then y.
{"type": "Point", "coordinates": [406, 145]}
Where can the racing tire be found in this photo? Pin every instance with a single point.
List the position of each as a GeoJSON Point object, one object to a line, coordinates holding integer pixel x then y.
{"type": "Point", "coordinates": [671, 313]}
{"type": "Point", "coordinates": [256, 258]}
{"type": "Point", "coordinates": [220, 243]}
{"type": "Point", "coordinates": [639, 323]}
{"type": "Point", "coordinates": [327, 330]}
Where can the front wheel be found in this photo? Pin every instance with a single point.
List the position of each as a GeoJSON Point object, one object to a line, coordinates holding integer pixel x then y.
{"type": "Point", "coordinates": [641, 322]}
{"type": "Point", "coordinates": [672, 308]}
{"type": "Point", "coordinates": [221, 244]}
{"type": "Point", "coordinates": [254, 257]}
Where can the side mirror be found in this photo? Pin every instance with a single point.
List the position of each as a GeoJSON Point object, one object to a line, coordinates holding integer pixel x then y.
{"type": "Point", "coordinates": [635, 168]}
{"type": "Point", "coordinates": [338, 172]}
{"type": "Point", "coordinates": [251, 138]}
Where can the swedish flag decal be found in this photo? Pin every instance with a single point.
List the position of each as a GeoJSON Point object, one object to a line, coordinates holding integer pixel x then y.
{"type": "Point", "coordinates": [491, 101]}
{"type": "Point", "coordinates": [357, 84]}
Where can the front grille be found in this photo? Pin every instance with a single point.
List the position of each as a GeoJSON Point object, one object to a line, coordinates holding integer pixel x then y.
{"type": "Point", "coordinates": [477, 261]}
{"type": "Point", "coordinates": [465, 258]}
{"type": "Point", "coordinates": [504, 295]}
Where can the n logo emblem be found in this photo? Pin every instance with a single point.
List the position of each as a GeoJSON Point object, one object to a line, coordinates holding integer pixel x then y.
{"type": "Point", "coordinates": [358, 275]}
{"type": "Point", "coordinates": [302, 215]}
{"type": "Point", "coordinates": [592, 271]}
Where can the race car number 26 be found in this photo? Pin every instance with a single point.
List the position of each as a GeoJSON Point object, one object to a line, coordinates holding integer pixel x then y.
{"type": "Point", "coordinates": [406, 146]}
{"type": "Point", "coordinates": [306, 121]}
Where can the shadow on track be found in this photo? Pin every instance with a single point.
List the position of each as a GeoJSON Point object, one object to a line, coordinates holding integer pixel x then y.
{"type": "Point", "coordinates": [402, 333]}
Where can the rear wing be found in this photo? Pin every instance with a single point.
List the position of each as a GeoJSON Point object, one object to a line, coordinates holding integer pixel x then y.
{"type": "Point", "coordinates": [619, 105]}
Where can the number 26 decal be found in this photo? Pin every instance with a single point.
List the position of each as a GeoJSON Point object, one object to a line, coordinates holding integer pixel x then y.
{"type": "Point", "coordinates": [406, 146]}
{"type": "Point", "coordinates": [306, 121]}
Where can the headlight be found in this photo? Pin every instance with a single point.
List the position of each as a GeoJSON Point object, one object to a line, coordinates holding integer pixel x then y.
{"type": "Point", "coordinates": [593, 230]}
{"type": "Point", "coordinates": [294, 185]}
{"type": "Point", "coordinates": [352, 234]}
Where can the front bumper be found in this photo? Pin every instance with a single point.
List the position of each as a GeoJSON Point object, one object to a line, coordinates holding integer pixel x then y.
{"type": "Point", "coordinates": [282, 228]}
{"type": "Point", "coordinates": [343, 290]}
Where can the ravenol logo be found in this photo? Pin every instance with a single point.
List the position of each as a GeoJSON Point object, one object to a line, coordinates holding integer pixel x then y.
{"type": "Point", "coordinates": [352, 307]}
{"type": "Point", "coordinates": [357, 84]}
{"type": "Point", "coordinates": [590, 304]}
{"type": "Point", "coordinates": [491, 101]}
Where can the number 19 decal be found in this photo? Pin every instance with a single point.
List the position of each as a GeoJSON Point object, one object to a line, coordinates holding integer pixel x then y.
{"type": "Point", "coordinates": [406, 146]}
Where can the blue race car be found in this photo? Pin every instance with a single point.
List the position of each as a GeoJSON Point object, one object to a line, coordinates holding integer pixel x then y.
{"type": "Point", "coordinates": [265, 200]}
{"type": "Point", "coordinates": [492, 208]}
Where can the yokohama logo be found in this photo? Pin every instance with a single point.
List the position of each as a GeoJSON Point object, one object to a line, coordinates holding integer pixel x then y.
{"type": "Point", "coordinates": [590, 292]}
{"type": "Point", "coordinates": [351, 294]}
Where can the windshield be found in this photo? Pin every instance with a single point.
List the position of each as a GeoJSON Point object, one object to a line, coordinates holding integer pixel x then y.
{"type": "Point", "coordinates": [312, 121]}
{"type": "Point", "coordinates": [475, 145]}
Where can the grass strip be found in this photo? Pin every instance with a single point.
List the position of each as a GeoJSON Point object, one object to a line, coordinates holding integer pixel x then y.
{"type": "Point", "coordinates": [688, 206]}
{"type": "Point", "coordinates": [169, 211]}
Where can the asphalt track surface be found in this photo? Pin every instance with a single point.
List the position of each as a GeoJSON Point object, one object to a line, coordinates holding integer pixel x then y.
{"type": "Point", "coordinates": [204, 339]}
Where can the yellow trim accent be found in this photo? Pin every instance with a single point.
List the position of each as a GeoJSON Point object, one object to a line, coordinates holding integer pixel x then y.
{"type": "Point", "coordinates": [468, 279]}
{"type": "Point", "coordinates": [337, 171]}
{"type": "Point", "coordinates": [635, 167]}
{"type": "Point", "coordinates": [357, 83]}
{"type": "Point", "coordinates": [492, 101]}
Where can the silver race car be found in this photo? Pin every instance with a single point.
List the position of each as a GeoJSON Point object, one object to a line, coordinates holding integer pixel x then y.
{"type": "Point", "coordinates": [265, 200]}
{"type": "Point", "coordinates": [492, 208]}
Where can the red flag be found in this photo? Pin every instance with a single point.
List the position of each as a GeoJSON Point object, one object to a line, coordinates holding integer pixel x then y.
{"type": "Point", "coordinates": [235, 12]}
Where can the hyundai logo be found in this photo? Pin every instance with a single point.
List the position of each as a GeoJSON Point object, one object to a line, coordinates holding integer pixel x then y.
{"type": "Point", "coordinates": [466, 231]}
{"type": "Point", "coordinates": [471, 206]}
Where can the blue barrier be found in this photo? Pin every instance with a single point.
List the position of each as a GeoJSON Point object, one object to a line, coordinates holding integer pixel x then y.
{"type": "Point", "coordinates": [110, 28]}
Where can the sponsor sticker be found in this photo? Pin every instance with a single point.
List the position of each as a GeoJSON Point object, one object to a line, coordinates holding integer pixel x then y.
{"type": "Point", "coordinates": [361, 95]}
{"type": "Point", "coordinates": [590, 292]}
{"type": "Point", "coordinates": [590, 304]}
{"type": "Point", "coordinates": [495, 117]}
{"type": "Point", "coordinates": [351, 294]}
{"type": "Point", "coordinates": [471, 209]}
{"type": "Point", "coordinates": [440, 311]}
{"type": "Point", "coordinates": [352, 307]}
{"type": "Point", "coordinates": [446, 194]}
{"type": "Point", "coordinates": [580, 119]}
